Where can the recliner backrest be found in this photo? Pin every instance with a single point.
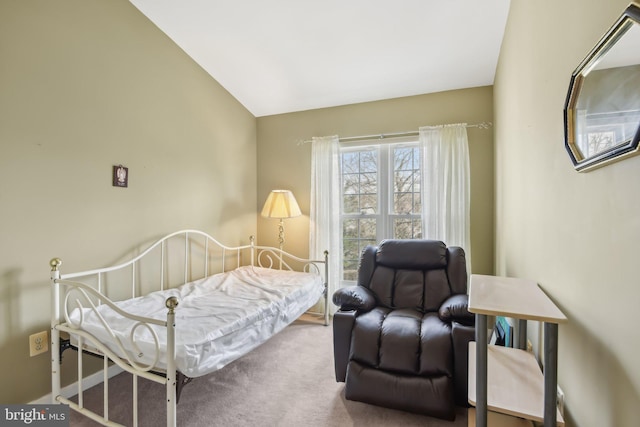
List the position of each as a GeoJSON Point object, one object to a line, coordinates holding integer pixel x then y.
{"type": "Point", "coordinates": [417, 274]}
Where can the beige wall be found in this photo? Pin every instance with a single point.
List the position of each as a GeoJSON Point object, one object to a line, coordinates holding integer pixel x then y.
{"type": "Point", "coordinates": [284, 163]}
{"type": "Point", "coordinates": [575, 233]}
{"type": "Point", "coordinates": [84, 85]}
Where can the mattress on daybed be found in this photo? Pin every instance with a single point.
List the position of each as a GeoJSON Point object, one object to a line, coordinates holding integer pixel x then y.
{"type": "Point", "coordinates": [218, 319]}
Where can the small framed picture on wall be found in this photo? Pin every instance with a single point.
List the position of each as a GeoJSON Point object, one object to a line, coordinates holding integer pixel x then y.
{"type": "Point", "coordinates": [120, 176]}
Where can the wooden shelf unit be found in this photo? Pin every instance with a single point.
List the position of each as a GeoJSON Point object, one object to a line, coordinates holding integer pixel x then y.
{"type": "Point", "coordinates": [511, 381]}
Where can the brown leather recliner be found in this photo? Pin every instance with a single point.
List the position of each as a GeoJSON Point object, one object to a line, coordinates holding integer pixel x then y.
{"type": "Point", "coordinates": [401, 334]}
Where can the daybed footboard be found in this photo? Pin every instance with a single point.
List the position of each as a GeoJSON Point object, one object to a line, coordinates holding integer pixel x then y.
{"type": "Point", "coordinates": [116, 333]}
{"type": "Point", "coordinates": [83, 297]}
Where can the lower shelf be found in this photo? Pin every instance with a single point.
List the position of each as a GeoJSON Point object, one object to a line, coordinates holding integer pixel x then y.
{"type": "Point", "coordinates": [515, 384]}
{"type": "Point", "coordinates": [495, 419]}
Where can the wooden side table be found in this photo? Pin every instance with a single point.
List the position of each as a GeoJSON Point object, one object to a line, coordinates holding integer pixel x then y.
{"type": "Point", "coordinates": [508, 380]}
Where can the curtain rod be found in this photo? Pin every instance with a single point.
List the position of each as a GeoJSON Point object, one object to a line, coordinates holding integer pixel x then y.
{"type": "Point", "coordinates": [482, 125]}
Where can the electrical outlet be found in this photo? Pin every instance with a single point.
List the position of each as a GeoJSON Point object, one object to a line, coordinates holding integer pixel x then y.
{"type": "Point", "coordinates": [38, 343]}
{"type": "Point", "coordinates": [561, 401]}
{"type": "Point", "coordinates": [529, 346]}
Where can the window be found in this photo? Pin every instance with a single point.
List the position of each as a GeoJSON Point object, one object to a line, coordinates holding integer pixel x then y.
{"type": "Point", "coordinates": [380, 197]}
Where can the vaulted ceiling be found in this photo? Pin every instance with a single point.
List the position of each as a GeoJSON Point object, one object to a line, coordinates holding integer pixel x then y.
{"type": "Point", "coordinates": [280, 56]}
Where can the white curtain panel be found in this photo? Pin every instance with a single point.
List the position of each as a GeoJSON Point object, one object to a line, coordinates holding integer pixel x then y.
{"type": "Point", "coordinates": [445, 186]}
{"type": "Point", "coordinates": [324, 216]}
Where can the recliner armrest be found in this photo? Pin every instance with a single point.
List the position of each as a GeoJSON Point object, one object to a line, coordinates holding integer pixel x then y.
{"type": "Point", "coordinates": [455, 308]}
{"type": "Point", "coordinates": [461, 336]}
{"type": "Point", "coordinates": [342, 326]}
{"type": "Point", "coordinates": [356, 298]}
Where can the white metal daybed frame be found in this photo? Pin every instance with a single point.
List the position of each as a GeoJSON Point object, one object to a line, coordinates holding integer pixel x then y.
{"type": "Point", "coordinates": [63, 286]}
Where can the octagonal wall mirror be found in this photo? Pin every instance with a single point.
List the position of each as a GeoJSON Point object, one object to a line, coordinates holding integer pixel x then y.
{"type": "Point", "coordinates": [602, 111]}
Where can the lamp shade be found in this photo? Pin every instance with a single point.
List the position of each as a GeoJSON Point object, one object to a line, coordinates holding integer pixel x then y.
{"type": "Point", "coordinates": [281, 204]}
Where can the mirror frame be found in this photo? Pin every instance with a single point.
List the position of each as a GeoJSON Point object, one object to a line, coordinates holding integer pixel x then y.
{"type": "Point", "coordinates": [630, 17]}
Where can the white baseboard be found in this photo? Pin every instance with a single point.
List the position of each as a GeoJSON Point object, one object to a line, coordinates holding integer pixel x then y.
{"type": "Point", "coordinates": [87, 382]}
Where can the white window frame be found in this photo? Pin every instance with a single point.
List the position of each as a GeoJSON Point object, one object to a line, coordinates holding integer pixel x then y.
{"type": "Point", "coordinates": [384, 215]}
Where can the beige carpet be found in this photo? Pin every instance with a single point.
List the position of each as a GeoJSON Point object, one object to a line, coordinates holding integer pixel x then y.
{"type": "Point", "coordinates": [288, 381]}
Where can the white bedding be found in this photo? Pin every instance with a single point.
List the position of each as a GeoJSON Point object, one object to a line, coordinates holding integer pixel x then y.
{"type": "Point", "coordinates": [218, 319]}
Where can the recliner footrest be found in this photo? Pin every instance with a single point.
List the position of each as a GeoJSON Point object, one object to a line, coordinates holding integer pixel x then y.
{"type": "Point", "coordinates": [431, 396]}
